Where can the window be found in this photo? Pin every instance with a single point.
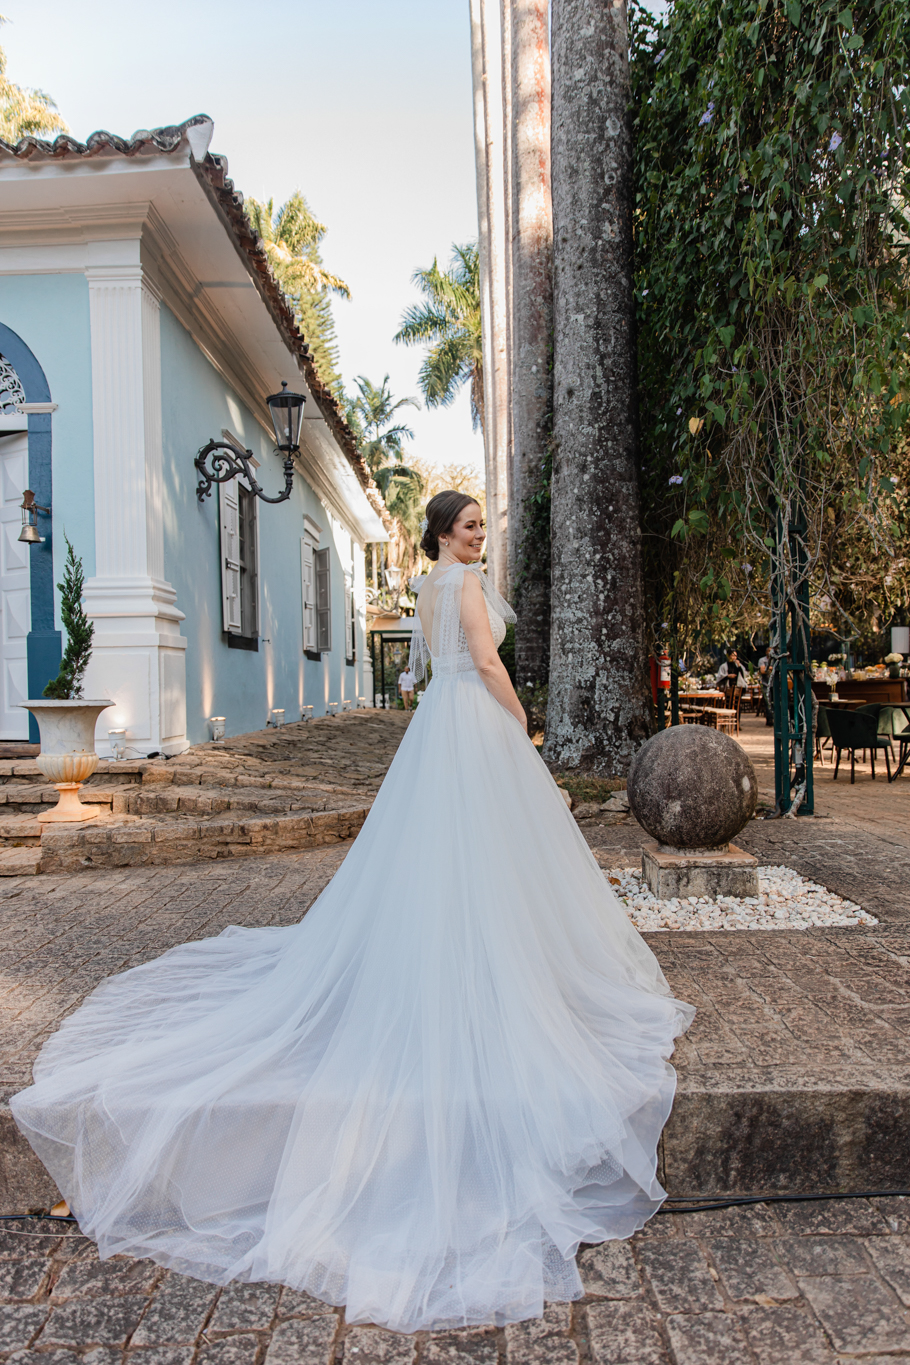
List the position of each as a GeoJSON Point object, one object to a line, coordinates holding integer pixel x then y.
{"type": "Point", "coordinates": [239, 576]}
{"type": "Point", "coordinates": [308, 586]}
{"type": "Point", "coordinates": [350, 638]}
{"type": "Point", "coordinates": [249, 595]}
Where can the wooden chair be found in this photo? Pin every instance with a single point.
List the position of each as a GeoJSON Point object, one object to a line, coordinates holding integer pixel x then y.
{"type": "Point", "coordinates": [725, 719]}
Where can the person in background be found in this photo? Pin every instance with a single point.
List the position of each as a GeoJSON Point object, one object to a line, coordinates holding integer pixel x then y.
{"type": "Point", "coordinates": [406, 684]}
{"type": "Point", "coordinates": [733, 673]}
{"type": "Point", "coordinates": [764, 678]}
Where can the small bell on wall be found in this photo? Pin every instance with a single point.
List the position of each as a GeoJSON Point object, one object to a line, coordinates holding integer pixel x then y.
{"type": "Point", "coordinates": [30, 509]}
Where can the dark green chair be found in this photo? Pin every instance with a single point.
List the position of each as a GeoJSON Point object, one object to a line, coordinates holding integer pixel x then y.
{"type": "Point", "coordinates": [853, 730]}
{"type": "Point", "coordinates": [899, 720]}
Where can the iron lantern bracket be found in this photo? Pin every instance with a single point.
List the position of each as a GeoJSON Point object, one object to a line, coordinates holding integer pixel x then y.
{"type": "Point", "coordinates": [228, 460]}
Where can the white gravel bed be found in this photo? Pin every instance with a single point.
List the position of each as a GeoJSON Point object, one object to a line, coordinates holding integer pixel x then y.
{"type": "Point", "coordinates": [785, 901]}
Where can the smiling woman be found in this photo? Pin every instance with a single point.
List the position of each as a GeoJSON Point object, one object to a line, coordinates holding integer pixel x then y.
{"type": "Point", "coordinates": [415, 1105]}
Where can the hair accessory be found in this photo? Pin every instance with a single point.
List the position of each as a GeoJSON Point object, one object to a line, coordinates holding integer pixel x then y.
{"type": "Point", "coordinates": [423, 527]}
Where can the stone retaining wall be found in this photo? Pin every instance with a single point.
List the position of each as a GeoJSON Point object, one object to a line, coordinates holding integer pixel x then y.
{"type": "Point", "coordinates": [162, 843]}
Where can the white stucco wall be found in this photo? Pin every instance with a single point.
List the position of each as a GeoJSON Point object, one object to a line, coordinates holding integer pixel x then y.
{"type": "Point", "coordinates": [244, 686]}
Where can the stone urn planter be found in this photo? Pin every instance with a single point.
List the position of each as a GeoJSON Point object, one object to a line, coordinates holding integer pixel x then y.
{"type": "Point", "coordinates": [67, 756]}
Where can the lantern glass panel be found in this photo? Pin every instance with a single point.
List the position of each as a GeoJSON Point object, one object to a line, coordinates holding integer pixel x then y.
{"type": "Point", "coordinates": [286, 409]}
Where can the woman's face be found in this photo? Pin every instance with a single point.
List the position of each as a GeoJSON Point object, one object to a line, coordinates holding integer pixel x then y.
{"type": "Point", "coordinates": [467, 536]}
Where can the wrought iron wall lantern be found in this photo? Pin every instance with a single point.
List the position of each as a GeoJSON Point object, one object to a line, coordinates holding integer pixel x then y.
{"type": "Point", "coordinates": [30, 509]}
{"type": "Point", "coordinates": [228, 460]}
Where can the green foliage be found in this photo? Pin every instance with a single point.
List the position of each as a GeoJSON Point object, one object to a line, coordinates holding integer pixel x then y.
{"type": "Point", "coordinates": [448, 323]}
{"type": "Point", "coordinates": [585, 787]}
{"type": "Point", "coordinates": [24, 112]}
{"type": "Point", "coordinates": [534, 698]}
{"type": "Point", "coordinates": [79, 631]}
{"type": "Point", "coordinates": [371, 416]}
{"type": "Point", "coordinates": [772, 281]}
{"type": "Point", "coordinates": [507, 651]}
{"type": "Point", "coordinates": [291, 236]}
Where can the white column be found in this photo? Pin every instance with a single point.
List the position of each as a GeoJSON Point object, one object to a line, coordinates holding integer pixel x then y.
{"type": "Point", "coordinates": [138, 659]}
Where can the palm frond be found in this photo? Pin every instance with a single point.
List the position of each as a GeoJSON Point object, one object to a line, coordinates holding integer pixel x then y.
{"type": "Point", "coordinates": [446, 368]}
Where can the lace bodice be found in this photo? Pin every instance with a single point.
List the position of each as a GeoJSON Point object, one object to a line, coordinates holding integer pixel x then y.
{"type": "Point", "coordinates": [438, 632]}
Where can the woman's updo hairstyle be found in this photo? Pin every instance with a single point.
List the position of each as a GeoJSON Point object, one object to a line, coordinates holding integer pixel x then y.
{"type": "Point", "coordinates": [442, 513]}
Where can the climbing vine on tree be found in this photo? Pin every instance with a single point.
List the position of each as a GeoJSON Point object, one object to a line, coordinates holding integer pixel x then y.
{"type": "Point", "coordinates": [79, 631]}
{"type": "Point", "coordinates": [772, 277]}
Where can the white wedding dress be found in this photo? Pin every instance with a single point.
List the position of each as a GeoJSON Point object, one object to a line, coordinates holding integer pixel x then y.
{"type": "Point", "coordinates": [417, 1101]}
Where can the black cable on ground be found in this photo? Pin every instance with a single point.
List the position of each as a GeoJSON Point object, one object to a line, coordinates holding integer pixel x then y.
{"type": "Point", "coordinates": [693, 1203]}
{"type": "Point", "coordinates": [704, 1203]}
{"type": "Point", "coordinates": [46, 1217]}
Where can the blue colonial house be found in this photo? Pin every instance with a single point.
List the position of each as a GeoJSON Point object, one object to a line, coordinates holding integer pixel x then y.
{"type": "Point", "coordinates": [139, 320]}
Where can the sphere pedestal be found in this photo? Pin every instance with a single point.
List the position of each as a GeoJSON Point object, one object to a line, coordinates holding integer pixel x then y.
{"type": "Point", "coordinates": [676, 873]}
{"type": "Point", "coordinates": [694, 789]}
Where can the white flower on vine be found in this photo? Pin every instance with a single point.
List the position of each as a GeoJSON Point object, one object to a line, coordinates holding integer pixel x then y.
{"type": "Point", "coordinates": [676, 478]}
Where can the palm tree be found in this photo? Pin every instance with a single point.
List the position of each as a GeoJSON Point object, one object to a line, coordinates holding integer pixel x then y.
{"type": "Point", "coordinates": [25, 112]}
{"type": "Point", "coordinates": [449, 322]}
{"type": "Point", "coordinates": [291, 236]}
{"type": "Point", "coordinates": [371, 416]}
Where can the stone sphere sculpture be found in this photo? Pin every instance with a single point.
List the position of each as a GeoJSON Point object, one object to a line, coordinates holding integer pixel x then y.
{"type": "Point", "coordinates": [692, 788]}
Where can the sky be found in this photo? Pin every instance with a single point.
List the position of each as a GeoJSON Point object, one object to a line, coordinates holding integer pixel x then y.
{"type": "Point", "coordinates": [364, 106]}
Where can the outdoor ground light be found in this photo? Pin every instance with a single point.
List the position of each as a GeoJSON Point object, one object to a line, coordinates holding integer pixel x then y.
{"type": "Point", "coordinates": [306, 713]}
{"type": "Point", "coordinates": [278, 716]}
{"type": "Point", "coordinates": [30, 509]}
{"type": "Point", "coordinates": [228, 460]}
{"type": "Point", "coordinates": [218, 723]}
{"type": "Point", "coordinates": [118, 744]}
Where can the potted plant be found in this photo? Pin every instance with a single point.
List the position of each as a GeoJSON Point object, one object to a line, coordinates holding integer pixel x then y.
{"type": "Point", "coordinates": [66, 721]}
{"type": "Point", "coordinates": [894, 662]}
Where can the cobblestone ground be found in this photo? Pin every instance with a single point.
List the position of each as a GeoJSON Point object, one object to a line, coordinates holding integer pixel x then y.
{"type": "Point", "coordinates": [810, 1284]}
{"type": "Point", "coordinates": [777, 1284]}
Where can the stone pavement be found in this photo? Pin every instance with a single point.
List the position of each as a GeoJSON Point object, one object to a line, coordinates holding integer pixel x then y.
{"type": "Point", "coordinates": [795, 1074]}
{"type": "Point", "coordinates": [784, 1284]}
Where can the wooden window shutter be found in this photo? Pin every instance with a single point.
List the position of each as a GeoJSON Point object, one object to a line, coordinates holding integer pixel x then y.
{"type": "Point", "coordinates": [230, 556]}
{"type": "Point", "coordinates": [323, 600]}
{"type": "Point", "coordinates": [308, 594]}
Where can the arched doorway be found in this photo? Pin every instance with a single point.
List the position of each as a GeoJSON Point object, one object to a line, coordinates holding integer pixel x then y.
{"type": "Point", "coordinates": [29, 644]}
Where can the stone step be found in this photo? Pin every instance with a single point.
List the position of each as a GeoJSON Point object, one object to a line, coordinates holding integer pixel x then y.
{"type": "Point", "coordinates": [20, 862]}
{"type": "Point", "coordinates": [29, 798]}
{"type": "Point", "coordinates": [206, 800]}
{"type": "Point", "coordinates": [794, 1078]}
{"type": "Point", "coordinates": [128, 841]}
{"type": "Point", "coordinates": [108, 772]}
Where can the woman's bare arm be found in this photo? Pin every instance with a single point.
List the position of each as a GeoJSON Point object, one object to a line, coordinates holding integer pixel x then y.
{"type": "Point", "coordinates": [476, 625]}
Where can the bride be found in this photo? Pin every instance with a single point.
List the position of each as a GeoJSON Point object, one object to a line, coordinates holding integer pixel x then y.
{"type": "Point", "coordinates": [419, 1100]}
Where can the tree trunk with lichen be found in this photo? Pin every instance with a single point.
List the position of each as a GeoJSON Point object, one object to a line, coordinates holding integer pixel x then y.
{"type": "Point", "coordinates": [599, 712]}
{"type": "Point", "coordinates": [526, 23]}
